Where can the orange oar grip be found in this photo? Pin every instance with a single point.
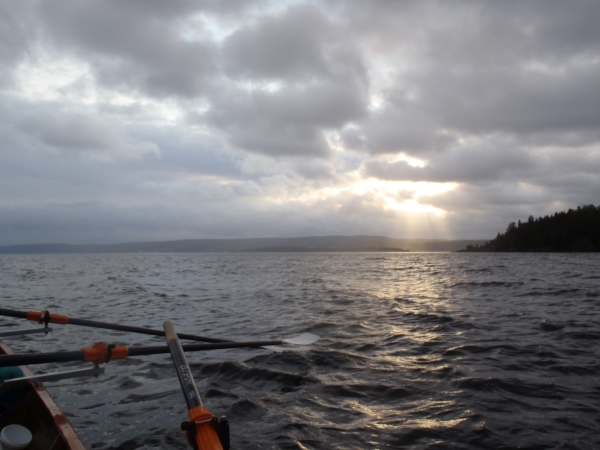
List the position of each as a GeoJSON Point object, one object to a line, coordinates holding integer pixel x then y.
{"type": "Point", "coordinates": [207, 437]}
{"type": "Point", "coordinates": [120, 352]}
{"type": "Point", "coordinates": [99, 353]}
{"type": "Point", "coordinates": [38, 316]}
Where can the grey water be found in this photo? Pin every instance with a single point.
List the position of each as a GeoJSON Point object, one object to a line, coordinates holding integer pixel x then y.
{"type": "Point", "coordinates": [417, 350]}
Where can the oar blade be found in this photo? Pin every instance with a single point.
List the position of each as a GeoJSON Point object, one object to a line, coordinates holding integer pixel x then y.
{"type": "Point", "coordinates": [303, 339]}
{"type": "Point", "coordinates": [300, 343]}
{"type": "Point", "coordinates": [279, 348]}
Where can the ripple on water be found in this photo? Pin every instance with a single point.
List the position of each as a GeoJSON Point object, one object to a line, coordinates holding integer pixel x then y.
{"type": "Point", "coordinates": [462, 351]}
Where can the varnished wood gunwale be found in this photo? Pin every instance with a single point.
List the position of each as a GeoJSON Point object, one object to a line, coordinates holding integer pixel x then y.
{"type": "Point", "coordinates": [46, 407]}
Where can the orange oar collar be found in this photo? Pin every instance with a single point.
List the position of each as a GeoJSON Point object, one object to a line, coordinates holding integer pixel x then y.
{"type": "Point", "coordinates": [101, 353]}
{"type": "Point", "coordinates": [46, 317]}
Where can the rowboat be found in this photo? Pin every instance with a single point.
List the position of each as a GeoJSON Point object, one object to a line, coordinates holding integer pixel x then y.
{"type": "Point", "coordinates": [32, 406]}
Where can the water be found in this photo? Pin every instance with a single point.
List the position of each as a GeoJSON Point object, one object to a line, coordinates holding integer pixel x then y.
{"type": "Point", "coordinates": [418, 350]}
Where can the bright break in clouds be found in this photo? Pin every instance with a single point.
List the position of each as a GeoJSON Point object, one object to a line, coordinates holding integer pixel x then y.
{"type": "Point", "coordinates": [153, 120]}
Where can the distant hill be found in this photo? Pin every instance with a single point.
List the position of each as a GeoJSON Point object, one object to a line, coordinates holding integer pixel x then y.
{"type": "Point", "coordinates": [577, 230]}
{"type": "Point", "coordinates": [321, 250]}
{"type": "Point", "coordinates": [299, 244]}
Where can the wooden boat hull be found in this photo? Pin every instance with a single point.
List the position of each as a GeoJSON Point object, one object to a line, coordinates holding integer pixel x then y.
{"type": "Point", "coordinates": [36, 410]}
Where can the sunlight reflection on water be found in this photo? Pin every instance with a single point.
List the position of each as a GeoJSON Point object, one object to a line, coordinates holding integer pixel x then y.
{"type": "Point", "coordinates": [459, 350]}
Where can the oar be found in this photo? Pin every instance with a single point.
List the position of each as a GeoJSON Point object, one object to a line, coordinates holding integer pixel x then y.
{"type": "Point", "coordinates": [201, 430]}
{"type": "Point", "coordinates": [102, 353]}
{"type": "Point", "coordinates": [46, 317]}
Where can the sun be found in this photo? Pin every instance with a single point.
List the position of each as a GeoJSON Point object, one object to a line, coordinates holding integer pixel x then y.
{"type": "Point", "coordinates": [404, 195]}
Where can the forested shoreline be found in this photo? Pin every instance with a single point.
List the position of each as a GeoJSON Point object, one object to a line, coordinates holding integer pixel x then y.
{"type": "Point", "coordinates": [576, 230]}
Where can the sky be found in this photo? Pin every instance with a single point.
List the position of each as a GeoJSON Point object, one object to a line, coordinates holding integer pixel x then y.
{"type": "Point", "coordinates": [151, 120]}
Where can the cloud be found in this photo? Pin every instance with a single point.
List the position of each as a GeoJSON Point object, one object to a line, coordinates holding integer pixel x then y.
{"type": "Point", "coordinates": [100, 222]}
{"type": "Point", "coordinates": [290, 46]}
{"type": "Point", "coordinates": [478, 70]}
{"type": "Point", "coordinates": [133, 47]}
{"type": "Point", "coordinates": [477, 163]}
{"type": "Point", "coordinates": [289, 122]}
{"type": "Point", "coordinates": [16, 34]}
{"type": "Point", "coordinates": [320, 84]}
{"type": "Point", "coordinates": [54, 127]}
{"type": "Point", "coordinates": [247, 118]}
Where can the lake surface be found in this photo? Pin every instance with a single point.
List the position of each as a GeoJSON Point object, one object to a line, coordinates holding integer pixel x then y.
{"type": "Point", "coordinates": [417, 350]}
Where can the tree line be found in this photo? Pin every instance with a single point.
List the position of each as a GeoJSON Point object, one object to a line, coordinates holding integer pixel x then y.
{"type": "Point", "coordinates": [576, 230]}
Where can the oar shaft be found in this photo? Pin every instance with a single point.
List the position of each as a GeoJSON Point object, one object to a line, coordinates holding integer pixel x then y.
{"type": "Point", "coordinates": [155, 350]}
{"type": "Point", "coordinates": [64, 320]}
{"type": "Point", "coordinates": [43, 358]}
{"type": "Point", "coordinates": [40, 358]}
{"type": "Point", "coordinates": [204, 431]}
{"type": "Point", "coordinates": [142, 330]}
{"type": "Point", "coordinates": [12, 313]}
{"type": "Point", "coordinates": [186, 379]}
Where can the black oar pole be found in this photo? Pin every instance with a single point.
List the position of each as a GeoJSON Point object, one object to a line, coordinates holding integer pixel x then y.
{"type": "Point", "coordinates": [153, 350]}
{"type": "Point", "coordinates": [13, 313]}
{"type": "Point", "coordinates": [64, 320]}
{"type": "Point", "coordinates": [205, 433]}
{"type": "Point", "coordinates": [142, 330]}
{"type": "Point", "coordinates": [40, 358]}
{"type": "Point", "coordinates": [99, 355]}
